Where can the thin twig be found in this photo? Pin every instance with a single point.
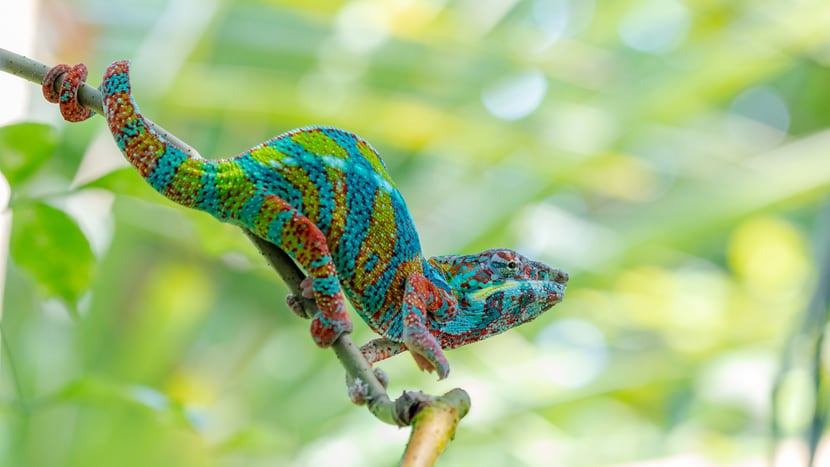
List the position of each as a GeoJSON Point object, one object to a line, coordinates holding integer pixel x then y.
{"type": "Point", "coordinates": [88, 96]}
{"type": "Point", "coordinates": [18, 386]}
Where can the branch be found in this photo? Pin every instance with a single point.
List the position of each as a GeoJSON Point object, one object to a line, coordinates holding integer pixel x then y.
{"type": "Point", "coordinates": [400, 412]}
{"type": "Point", "coordinates": [434, 427]}
{"type": "Point", "coordinates": [88, 96]}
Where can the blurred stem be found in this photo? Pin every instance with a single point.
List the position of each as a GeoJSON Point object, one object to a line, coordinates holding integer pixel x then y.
{"type": "Point", "coordinates": [805, 346]}
{"type": "Point", "coordinates": [816, 323]}
{"type": "Point", "coordinates": [18, 437]}
{"type": "Point", "coordinates": [18, 386]}
{"type": "Point", "coordinates": [399, 412]}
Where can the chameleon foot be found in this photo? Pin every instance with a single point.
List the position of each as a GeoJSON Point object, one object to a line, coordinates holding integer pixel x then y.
{"type": "Point", "coordinates": [381, 376]}
{"type": "Point", "coordinates": [326, 330]}
{"type": "Point", "coordinates": [307, 285]}
{"type": "Point", "coordinates": [295, 304]}
{"type": "Point", "coordinates": [359, 390]}
{"type": "Point", "coordinates": [427, 352]}
{"type": "Point", "coordinates": [437, 363]}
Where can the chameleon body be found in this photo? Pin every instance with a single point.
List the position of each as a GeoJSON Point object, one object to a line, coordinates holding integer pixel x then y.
{"type": "Point", "coordinates": [323, 195]}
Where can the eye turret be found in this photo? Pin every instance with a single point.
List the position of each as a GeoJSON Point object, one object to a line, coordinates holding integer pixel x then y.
{"type": "Point", "coordinates": [506, 268]}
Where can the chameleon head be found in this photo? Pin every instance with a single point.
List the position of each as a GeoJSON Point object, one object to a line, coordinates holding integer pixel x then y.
{"type": "Point", "coordinates": [496, 290]}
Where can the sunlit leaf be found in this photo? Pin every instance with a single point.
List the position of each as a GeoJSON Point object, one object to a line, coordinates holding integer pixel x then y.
{"type": "Point", "coordinates": [50, 246]}
{"type": "Point", "coordinates": [24, 147]}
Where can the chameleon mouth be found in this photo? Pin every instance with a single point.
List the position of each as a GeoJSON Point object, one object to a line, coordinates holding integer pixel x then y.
{"type": "Point", "coordinates": [485, 292]}
{"type": "Point", "coordinates": [545, 292]}
{"type": "Point", "coordinates": [550, 293]}
{"type": "Point", "coordinates": [539, 297]}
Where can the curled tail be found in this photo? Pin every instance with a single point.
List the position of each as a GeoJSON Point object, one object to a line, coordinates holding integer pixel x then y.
{"type": "Point", "coordinates": [172, 172]}
{"type": "Point", "coordinates": [176, 174]}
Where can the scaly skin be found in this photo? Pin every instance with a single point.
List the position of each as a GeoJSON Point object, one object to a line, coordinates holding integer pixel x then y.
{"type": "Point", "coordinates": [323, 196]}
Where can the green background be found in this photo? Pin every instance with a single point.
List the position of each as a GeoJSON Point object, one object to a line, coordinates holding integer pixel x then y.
{"type": "Point", "coordinates": [671, 156]}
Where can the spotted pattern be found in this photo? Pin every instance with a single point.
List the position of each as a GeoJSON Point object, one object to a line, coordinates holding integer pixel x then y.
{"type": "Point", "coordinates": [71, 80]}
{"type": "Point", "coordinates": [323, 195]}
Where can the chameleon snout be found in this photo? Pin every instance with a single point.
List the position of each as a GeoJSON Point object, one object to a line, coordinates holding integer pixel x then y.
{"type": "Point", "coordinates": [549, 273]}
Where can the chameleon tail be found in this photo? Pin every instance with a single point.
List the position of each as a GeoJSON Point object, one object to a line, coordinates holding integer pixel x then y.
{"type": "Point", "coordinates": [169, 170]}
{"type": "Point", "coordinates": [67, 96]}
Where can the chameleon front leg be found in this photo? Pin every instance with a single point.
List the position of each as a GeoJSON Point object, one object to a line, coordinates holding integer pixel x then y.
{"type": "Point", "coordinates": [420, 297]}
{"type": "Point", "coordinates": [283, 225]}
{"type": "Point", "coordinates": [424, 349]}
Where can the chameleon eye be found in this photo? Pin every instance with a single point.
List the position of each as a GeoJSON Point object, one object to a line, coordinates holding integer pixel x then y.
{"type": "Point", "coordinates": [508, 268]}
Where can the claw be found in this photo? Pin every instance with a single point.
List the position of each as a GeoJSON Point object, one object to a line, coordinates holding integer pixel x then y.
{"type": "Point", "coordinates": [381, 376]}
{"type": "Point", "coordinates": [358, 391]}
{"type": "Point", "coordinates": [438, 364]}
{"type": "Point", "coordinates": [308, 287]}
{"type": "Point", "coordinates": [295, 304]}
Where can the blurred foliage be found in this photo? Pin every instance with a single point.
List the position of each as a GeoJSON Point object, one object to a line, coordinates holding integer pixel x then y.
{"type": "Point", "coordinates": [670, 155]}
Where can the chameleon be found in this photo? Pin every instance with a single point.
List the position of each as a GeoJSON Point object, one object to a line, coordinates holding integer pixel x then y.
{"type": "Point", "coordinates": [324, 196]}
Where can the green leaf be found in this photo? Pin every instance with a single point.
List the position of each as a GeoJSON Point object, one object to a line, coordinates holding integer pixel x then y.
{"type": "Point", "coordinates": [49, 245]}
{"type": "Point", "coordinates": [24, 147]}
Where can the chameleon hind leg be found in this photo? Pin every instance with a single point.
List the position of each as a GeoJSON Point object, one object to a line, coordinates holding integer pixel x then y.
{"type": "Point", "coordinates": [284, 226]}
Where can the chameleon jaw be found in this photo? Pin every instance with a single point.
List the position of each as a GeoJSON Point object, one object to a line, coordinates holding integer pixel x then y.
{"type": "Point", "coordinates": [554, 291]}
